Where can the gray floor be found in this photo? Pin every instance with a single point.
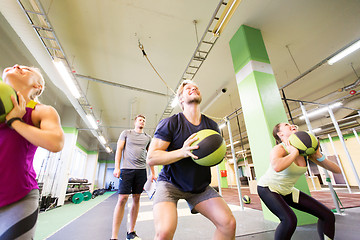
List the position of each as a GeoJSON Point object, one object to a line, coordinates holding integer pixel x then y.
{"type": "Point", "coordinates": [96, 224]}
{"type": "Point", "coordinates": [347, 228]}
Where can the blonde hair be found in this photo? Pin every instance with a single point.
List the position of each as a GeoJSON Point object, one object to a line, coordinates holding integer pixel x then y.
{"type": "Point", "coordinates": [41, 81]}
{"type": "Point", "coordinates": [181, 90]}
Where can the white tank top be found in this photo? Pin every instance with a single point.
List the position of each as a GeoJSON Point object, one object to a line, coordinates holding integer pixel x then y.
{"type": "Point", "coordinates": [283, 182]}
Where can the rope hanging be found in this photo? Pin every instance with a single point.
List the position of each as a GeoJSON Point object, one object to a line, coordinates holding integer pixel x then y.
{"type": "Point", "coordinates": [145, 55]}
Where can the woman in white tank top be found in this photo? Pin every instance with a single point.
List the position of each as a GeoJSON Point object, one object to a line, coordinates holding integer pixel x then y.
{"type": "Point", "coordinates": [276, 186]}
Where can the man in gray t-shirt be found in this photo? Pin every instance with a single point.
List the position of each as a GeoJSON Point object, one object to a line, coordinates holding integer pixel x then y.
{"type": "Point", "coordinates": [131, 156]}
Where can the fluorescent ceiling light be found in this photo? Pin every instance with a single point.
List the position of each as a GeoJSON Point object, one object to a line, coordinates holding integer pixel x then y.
{"type": "Point", "coordinates": [320, 110]}
{"type": "Point", "coordinates": [225, 16]}
{"type": "Point", "coordinates": [344, 53]}
{"type": "Point", "coordinates": [316, 130]}
{"type": "Point", "coordinates": [92, 121]}
{"type": "Point", "coordinates": [64, 73]}
{"type": "Point", "coordinates": [233, 143]}
{"type": "Point", "coordinates": [347, 123]}
{"type": "Point", "coordinates": [174, 102]}
{"type": "Point", "coordinates": [102, 139]}
{"type": "Point", "coordinates": [241, 151]}
{"type": "Point", "coordinates": [221, 126]}
{"type": "Point", "coordinates": [108, 149]}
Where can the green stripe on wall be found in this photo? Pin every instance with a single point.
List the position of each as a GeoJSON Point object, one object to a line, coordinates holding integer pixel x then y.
{"type": "Point", "coordinates": [106, 161]}
{"type": "Point", "coordinates": [85, 150]}
{"type": "Point", "coordinates": [70, 130]}
{"type": "Point", "coordinates": [255, 49]}
{"type": "Point", "coordinates": [346, 136]}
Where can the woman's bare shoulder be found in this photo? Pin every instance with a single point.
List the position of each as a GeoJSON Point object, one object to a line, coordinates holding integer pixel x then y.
{"type": "Point", "coordinates": [279, 149]}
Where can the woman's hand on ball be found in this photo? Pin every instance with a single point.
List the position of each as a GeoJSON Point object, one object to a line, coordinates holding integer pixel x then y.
{"type": "Point", "coordinates": [19, 109]}
{"type": "Point", "coordinates": [316, 154]}
{"type": "Point", "coordinates": [187, 148]}
{"type": "Point", "coordinates": [291, 149]}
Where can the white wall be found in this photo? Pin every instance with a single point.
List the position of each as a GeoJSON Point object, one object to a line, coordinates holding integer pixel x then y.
{"type": "Point", "coordinates": [91, 169]}
{"type": "Point", "coordinates": [101, 175]}
{"type": "Point", "coordinates": [64, 171]}
{"type": "Point", "coordinates": [354, 150]}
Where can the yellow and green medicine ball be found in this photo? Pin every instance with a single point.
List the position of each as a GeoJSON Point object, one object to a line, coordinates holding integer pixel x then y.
{"type": "Point", "coordinates": [305, 142]}
{"type": "Point", "coordinates": [212, 148]}
{"type": "Point", "coordinates": [246, 199]}
{"type": "Point", "coordinates": [6, 104]}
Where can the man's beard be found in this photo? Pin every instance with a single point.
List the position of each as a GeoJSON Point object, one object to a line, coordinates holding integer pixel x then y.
{"type": "Point", "coordinates": [195, 100]}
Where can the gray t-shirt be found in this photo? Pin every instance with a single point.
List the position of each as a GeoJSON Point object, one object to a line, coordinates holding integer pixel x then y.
{"type": "Point", "coordinates": [134, 152]}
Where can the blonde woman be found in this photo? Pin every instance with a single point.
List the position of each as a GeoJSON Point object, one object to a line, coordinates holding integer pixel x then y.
{"type": "Point", "coordinates": [29, 125]}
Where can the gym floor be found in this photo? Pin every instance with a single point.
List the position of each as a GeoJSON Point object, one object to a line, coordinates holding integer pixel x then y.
{"type": "Point", "coordinates": [95, 220]}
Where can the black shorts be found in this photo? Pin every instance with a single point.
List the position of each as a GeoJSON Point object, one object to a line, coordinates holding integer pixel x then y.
{"type": "Point", "coordinates": [132, 181]}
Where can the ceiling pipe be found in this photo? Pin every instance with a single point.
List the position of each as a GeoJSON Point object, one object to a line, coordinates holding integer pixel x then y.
{"type": "Point", "coordinates": [316, 102]}
{"type": "Point", "coordinates": [331, 130]}
{"type": "Point", "coordinates": [340, 115]}
{"type": "Point", "coordinates": [346, 88]}
{"type": "Point", "coordinates": [317, 65]}
{"type": "Point", "coordinates": [344, 124]}
{"type": "Point", "coordinates": [120, 85]}
{"type": "Point", "coordinates": [351, 86]}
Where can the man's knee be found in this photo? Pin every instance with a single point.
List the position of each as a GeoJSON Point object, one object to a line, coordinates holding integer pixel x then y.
{"type": "Point", "coordinates": [136, 198]}
{"type": "Point", "coordinates": [228, 224]}
{"type": "Point", "coordinates": [232, 223]}
{"type": "Point", "coordinates": [122, 200]}
{"type": "Point", "coordinates": [164, 234]}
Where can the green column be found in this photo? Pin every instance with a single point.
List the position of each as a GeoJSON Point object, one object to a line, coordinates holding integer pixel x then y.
{"type": "Point", "coordinates": [223, 180]}
{"type": "Point", "coordinates": [261, 104]}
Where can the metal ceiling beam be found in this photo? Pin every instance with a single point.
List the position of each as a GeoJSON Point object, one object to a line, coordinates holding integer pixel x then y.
{"type": "Point", "coordinates": [317, 65]}
{"type": "Point", "coordinates": [121, 85]}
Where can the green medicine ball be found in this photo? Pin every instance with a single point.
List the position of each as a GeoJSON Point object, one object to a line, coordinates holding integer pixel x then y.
{"type": "Point", "coordinates": [305, 142]}
{"type": "Point", "coordinates": [6, 104]}
{"type": "Point", "coordinates": [212, 148]}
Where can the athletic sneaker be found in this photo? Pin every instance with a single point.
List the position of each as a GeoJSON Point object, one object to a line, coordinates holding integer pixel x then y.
{"type": "Point", "coordinates": [132, 235]}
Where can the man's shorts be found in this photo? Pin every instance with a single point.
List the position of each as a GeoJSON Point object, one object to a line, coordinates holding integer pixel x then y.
{"type": "Point", "coordinates": [167, 192]}
{"type": "Point", "coordinates": [132, 181]}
